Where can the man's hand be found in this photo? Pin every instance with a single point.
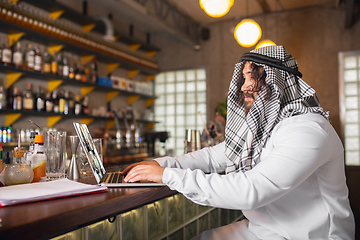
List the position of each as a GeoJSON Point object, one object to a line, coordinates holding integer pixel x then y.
{"type": "Point", "coordinates": [148, 172]}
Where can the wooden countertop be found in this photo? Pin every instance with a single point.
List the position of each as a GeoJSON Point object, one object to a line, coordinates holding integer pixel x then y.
{"type": "Point", "coordinates": [46, 219]}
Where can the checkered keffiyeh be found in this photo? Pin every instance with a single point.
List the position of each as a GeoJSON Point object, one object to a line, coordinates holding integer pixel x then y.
{"type": "Point", "coordinates": [245, 136]}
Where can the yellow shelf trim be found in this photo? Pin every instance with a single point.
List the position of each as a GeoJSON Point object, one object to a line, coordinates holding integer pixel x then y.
{"type": "Point", "coordinates": [88, 58]}
{"type": "Point", "coordinates": [14, 37]}
{"type": "Point", "coordinates": [53, 84]}
{"type": "Point", "coordinates": [132, 99]}
{"type": "Point", "coordinates": [56, 14]}
{"type": "Point", "coordinates": [149, 126]}
{"type": "Point", "coordinates": [111, 95]}
{"type": "Point", "coordinates": [150, 102]}
{"type": "Point", "coordinates": [52, 120]}
{"type": "Point", "coordinates": [133, 73]}
{"type": "Point", "coordinates": [11, 78]}
{"type": "Point", "coordinates": [111, 67]}
{"type": "Point", "coordinates": [151, 53]}
{"type": "Point", "coordinates": [88, 28]}
{"type": "Point", "coordinates": [55, 48]}
{"type": "Point", "coordinates": [150, 78]}
{"type": "Point", "coordinates": [10, 118]}
{"type": "Point", "coordinates": [110, 124]}
{"type": "Point", "coordinates": [135, 47]}
{"type": "Point", "coordinates": [86, 121]}
{"type": "Point", "coordinates": [86, 90]}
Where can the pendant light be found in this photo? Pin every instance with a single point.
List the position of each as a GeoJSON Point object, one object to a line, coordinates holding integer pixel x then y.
{"type": "Point", "coordinates": [247, 32]}
{"type": "Point", "coordinates": [216, 8]}
{"type": "Point", "coordinates": [265, 43]}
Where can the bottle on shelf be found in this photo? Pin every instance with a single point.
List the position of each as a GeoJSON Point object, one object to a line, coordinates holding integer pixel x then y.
{"type": "Point", "coordinates": [28, 98]}
{"type": "Point", "coordinates": [60, 64]}
{"type": "Point", "coordinates": [85, 72]}
{"type": "Point", "coordinates": [47, 62]}
{"type": "Point", "coordinates": [18, 172]}
{"type": "Point", "coordinates": [93, 72]}
{"type": "Point", "coordinates": [54, 63]}
{"type": "Point", "coordinates": [85, 106]}
{"type": "Point", "coordinates": [10, 98]}
{"type": "Point", "coordinates": [28, 154]}
{"type": "Point", "coordinates": [39, 159]}
{"type": "Point", "coordinates": [40, 99]}
{"type": "Point", "coordinates": [6, 53]}
{"type": "Point", "coordinates": [71, 103]}
{"type": "Point", "coordinates": [55, 100]}
{"type": "Point", "coordinates": [78, 105]}
{"type": "Point", "coordinates": [2, 98]}
{"type": "Point", "coordinates": [29, 58]}
{"type": "Point", "coordinates": [61, 96]}
{"type": "Point", "coordinates": [49, 103]}
{"type": "Point", "coordinates": [37, 59]}
{"type": "Point", "coordinates": [18, 56]}
{"type": "Point", "coordinates": [72, 71]}
{"type": "Point", "coordinates": [18, 100]}
{"type": "Point", "coordinates": [77, 72]}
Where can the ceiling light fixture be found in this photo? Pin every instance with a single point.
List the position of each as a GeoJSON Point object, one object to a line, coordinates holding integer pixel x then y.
{"type": "Point", "coordinates": [265, 43]}
{"type": "Point", "coordinates": [247, 32]}
{"type": "Point", "coordinates": [216, 8]}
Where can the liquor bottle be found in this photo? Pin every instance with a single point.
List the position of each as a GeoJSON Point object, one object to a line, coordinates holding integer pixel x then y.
{"type": "Point", "coordinates": [55, 101]}
{"type": "Point", "coordinates": [77, 72]}
{"type": "Point", "coordinates": [38, 59]}
{"type": "Point", "coordinates": [18, 56]}
{"type": "Point", "coordinates": [61, 101]}
{"type": "Point", "coordinates": [54, 63]}
{"type": "Point", "coordinates": [18, 172]}
{"type": "Point", "coordinates": [78, 105]}
{"type": "Point", "coordinates": [6, 53]}
{"type": "Point", "coordinates": [72, 71]}
{"type": "Point", "coordinates": [39, 159]}
{"type": "Point", "coordinates": [40, 99]}
{"type": "Point", "coordinates": [93, 72]}
{"type": "Point", "coordinates": [71, 102]}
{"type": "Point", "coordinates": [60, 64]}
{"type": "Point", "coordinates": [29, 58]}
{"type": "Point", "coordinates": [49, 103]}
{"type": "Point", "coordinates": [47, 62]}
{"type": "Point", "coordinates": [28, 98]}
{"type": "Point", "coordinates": [65, 102]}
{"type": "Point", "coordinates": [2, 98]}
{"type": "Point", "coordinates": [85, 72]}
{"type": "Point", "coordinates": [85, 105]}
{"type": "Point", "coordinates": [10, 98]}
{"type": "Point", "coordinates": [18, 100]}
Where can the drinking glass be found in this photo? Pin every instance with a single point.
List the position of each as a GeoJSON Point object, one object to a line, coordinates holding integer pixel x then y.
{"type": "Point", "coordinates": [55, 150]}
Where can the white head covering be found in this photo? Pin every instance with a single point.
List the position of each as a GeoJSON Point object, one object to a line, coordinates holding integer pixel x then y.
{"type": "Point", "coordinates": [245, 136]}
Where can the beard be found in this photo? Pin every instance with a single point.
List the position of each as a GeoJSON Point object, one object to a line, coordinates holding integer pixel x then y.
{"type": "Point", "coordinates": [248, 103]}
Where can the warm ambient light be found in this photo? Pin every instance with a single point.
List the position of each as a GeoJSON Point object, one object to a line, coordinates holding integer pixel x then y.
{"type": "Point", "coordinates": [265, 43]}
{"type": "Point", "coordinates": [216, 8]}
{"type": "Point", "coordinates": [247, 33]}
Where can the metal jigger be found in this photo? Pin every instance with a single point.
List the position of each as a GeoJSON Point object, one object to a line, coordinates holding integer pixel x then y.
{"type": "Point", "coordinates": [73, 171]}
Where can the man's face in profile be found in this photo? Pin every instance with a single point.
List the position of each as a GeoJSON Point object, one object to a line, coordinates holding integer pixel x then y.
{"type": "Point", "coordinates": [248, 87]}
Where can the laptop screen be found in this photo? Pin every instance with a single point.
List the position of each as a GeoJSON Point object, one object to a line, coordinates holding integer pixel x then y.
{"type": "Point", "coordinates": [90, 150]}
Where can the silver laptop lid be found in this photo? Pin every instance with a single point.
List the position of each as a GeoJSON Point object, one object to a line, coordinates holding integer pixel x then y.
{"type": "Point", "coordinates": [90, 150]}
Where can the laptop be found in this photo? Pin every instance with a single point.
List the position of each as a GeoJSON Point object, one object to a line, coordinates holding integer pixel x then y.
{"type": "Point", "coordinates": [112, 179]}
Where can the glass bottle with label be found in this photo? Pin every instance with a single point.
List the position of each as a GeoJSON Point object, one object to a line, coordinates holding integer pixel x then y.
{"type": "Point", "coordinates": [18, 101]}
{"type": "Point", "coordinates": [39, 159]}
{"type": "Point", "coordinates": [6, 53]}
{"type": "Point", "coordinates": [18, 56]}
{"type": "Point", "coordinates": [65, 67]}
{"type": "Point", "coordinates": [40, 99]}
{"type": "Point", "coordinates": [60, 64]}
{"type": "Point", "coordinates": [72, 71]}
{"type": "Point", "coordinates": [29, 58]}
{"type": "Point", "coordinates": [85, 106]}
{"type": "Point", "coordinates": [78, 105]}
{"type": "Point", "coordinates": [54, 63]}
{"type": "Point", "coordinates": [93, 72]}
{"type": "Point", "coordinates": [2, 98]}
{"type": "Point", "coordinates": [77, 72]}
{"type": "Point", "coordinates": [49, 103]}
{"type": "Point", "coordinates": [38, 59]}
{"type": "Point", "coordinates": [55, 101]}
{"type": "Point", "coordinates": [18, 172]}
{"type": "Point", "coordinates": [62, 101]}
{"type": "Point", "coordinates": [47, 62]}
{"type": "Point", "coordinates": [28, 98]}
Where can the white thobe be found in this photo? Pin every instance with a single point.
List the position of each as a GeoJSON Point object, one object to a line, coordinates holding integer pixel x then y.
{"type": "Point", "coordinates": [297, 191]}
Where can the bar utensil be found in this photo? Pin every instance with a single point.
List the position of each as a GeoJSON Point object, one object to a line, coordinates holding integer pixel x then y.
{"type": "Point", "coordinates": [73, 171]}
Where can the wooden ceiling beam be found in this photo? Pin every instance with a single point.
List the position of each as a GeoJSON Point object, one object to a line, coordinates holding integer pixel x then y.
{"type": "Point", "coordinates": [264, 6]}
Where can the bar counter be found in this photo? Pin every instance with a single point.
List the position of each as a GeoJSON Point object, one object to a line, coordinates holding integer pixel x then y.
{"type": "Point", "coordinates": [46, 219]}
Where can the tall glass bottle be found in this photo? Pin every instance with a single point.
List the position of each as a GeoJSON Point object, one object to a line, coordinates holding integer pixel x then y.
{"type": "Point", "coordinates": [2, 98]}
{"type": "Point", "coordinates": [39, 159]}
{"type": "Point", "coordinates": [77, 72]}
{"type": "Point", "coordinates": [29, 58]}
{"type": "Point", "coordinates": [38, 59]}
{"type": "Point", "coordinates": [6, 53]}
{"type": "Point", "coordinates": [60, 64]}
{"type": "Point", "coordinates": [93, 71]}
{"type": "Point", "coordinates": [28, 154]}
{"type": "Point", "coordinates": [54, 63]}
{"type": "Point", "coordinates": [40, 99]}
{"type": "Point", "coordinates": [65, 67]}
{"type": "Point", "coordinates": [47, 62]}
{"type": "Point", "coordinates": [28, 98]}
{"type": "Point", "coordinates": [49, 103]}
{"type": "Point", "coordinates": [18, 100]}
{"type": "Point", "coordinates": [55, 101]}
{"type": "Point", "coordinates": [78, 105]}
{"type": "Point", "coordinates": [18, 56]}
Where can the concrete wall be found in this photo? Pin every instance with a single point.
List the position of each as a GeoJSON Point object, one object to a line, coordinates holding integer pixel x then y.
{"type": "Point", "coordinates": [314, 36]}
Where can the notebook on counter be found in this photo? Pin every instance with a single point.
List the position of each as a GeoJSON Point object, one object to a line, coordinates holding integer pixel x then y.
{"type": "Point", "coordinates": [111, 179]}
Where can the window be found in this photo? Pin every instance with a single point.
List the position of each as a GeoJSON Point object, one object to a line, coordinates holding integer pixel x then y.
{"type": "Point", "coordinates": [181, 95]}
{"type": "Point", "coordinates": [349, 105]}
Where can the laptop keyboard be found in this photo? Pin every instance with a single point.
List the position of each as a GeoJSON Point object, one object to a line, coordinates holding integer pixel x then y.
{"type": "Point", "coordinates": [113, 178]}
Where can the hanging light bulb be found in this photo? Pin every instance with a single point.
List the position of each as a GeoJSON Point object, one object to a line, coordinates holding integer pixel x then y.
{"type": "Point", "coordinates": [247, 32]}
{"type": "Point", "coordinates": [265, 43]}
{"type": "Point", "coordinates": [216, 8]}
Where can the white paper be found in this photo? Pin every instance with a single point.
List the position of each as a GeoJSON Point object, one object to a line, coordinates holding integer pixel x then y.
{"type": "Point", "coordinates": [22, 193]}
